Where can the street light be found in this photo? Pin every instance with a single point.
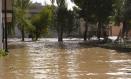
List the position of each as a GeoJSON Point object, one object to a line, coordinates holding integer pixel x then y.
{"type": "Point", "coordinates": [5, 40]}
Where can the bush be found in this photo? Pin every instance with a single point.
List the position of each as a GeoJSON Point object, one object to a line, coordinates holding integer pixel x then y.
{"type": "Point", "coordinates": [2, 53]}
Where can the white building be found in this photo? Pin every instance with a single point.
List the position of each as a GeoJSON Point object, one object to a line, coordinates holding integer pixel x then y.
{"type": "Point", "coordinates": [1, 44]}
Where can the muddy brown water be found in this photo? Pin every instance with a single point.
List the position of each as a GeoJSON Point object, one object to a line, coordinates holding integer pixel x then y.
{"type": "Point", "coordinates": [47, 59]}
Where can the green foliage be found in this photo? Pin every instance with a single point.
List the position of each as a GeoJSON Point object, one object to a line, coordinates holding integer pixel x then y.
{"type": "Point", "coordinates": [61, 16]}
{"type": "Point", "coordinates": [42, 20]}
{"type": "Point", "coordinates": [94, 10]}
{"type": "Point", "coordinates": [122, 9]}
{"type": "Point", "coordinates": [104, 9]}
{"type": "Point", "coordinates": [2, 53]}
{"type": "Point", "coordinates": [20, 8]}
{"type": "Point", "coordinates": [61, 3]}
{"type": "Point", "coordinates": [118, 11]}
{"type": "Point", "coordinates": [63, 19]}
{"type": "Point", "coordinates": [127, 10]}
{"type": "Point", "coordinates": [70, 22]}
{"type": "Point", "coordinates": [86, 8]}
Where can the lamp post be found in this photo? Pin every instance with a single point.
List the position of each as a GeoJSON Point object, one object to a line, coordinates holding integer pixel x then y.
{"type": "Point", "coordinates": [1, 43]}
{"type": "Point", "coordinates": [5, 40]}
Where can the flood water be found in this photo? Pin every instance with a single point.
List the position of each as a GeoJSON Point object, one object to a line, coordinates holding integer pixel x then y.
{"type": "Point", "coordinates": [48, 59]}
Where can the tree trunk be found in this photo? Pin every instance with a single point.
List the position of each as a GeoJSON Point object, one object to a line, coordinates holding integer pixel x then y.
{"type": "Point", "coordinates": [99, 30]}
{"type": "Point", "coordinates": [122, 32]}
{"type": "Point", "coordinates": [118, 37]}
{"type": "Point", "coordinates": [85, 32]}
{"type": "Point", "coordinates": [105, 35]}
{"type": "Point", "coordinates": [23, 33]}
{"type": "Point", "coordinates": [60, 38]}
{"type": "Point", "coordinates": [124, 29]}
{"type": "Point", "coordinates": [60, 34]}
{"type": "Point", "coordinates": [37, 36]}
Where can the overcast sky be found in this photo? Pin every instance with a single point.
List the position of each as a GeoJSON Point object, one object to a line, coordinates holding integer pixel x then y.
{"type": "Point", "coordinates": [42, 1]}
{"type": "Point", "coordinates": [70, 4]}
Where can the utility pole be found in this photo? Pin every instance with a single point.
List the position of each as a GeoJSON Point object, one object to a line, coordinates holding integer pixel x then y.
{"type": "Point", "coordinates": [5, 40]}
{"type": "Point", "coordinates": [1, 36]}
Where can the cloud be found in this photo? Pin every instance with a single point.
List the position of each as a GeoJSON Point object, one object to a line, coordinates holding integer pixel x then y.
{"type": "Point", "coordinates": [70, 4]}
{"type": "Point", "coordinates": [42, 1]}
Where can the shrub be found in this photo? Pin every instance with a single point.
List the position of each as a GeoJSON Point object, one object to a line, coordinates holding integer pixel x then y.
{"type": "Point", "coordinates": [2, 53]}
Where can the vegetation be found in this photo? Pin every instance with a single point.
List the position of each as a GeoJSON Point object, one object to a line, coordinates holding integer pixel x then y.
{"type": "Point", "coordinates": [42, 21]}
{"type": "Point", "coordinates": [86, 12]}
{"type": "Point", "coordinates": [124, 17]}
{"type": "Point", "coordinates": [20, 8]}
{"type": "Point", "coordinates": [2, 53]}
{"type": "Point", "coordinates": [61, 12]}
{"type": "Point", "coordinates": [65, 21]}
{"type": "Point", "coordinates": [98, 13]}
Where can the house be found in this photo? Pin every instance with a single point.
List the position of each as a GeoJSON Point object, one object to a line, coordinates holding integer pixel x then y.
{"type": "Point", "coordinates": [9, 12]}
{"type": "Point", "coordinates": [35, 9]}
{"type": "Point", "coordinates": [115, 30]}
{"type": "Point", "coordinates": [5, 12]}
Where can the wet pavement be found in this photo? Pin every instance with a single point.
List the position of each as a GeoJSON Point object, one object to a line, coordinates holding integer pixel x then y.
{"type": "Point", "coordinates": [48, 59]}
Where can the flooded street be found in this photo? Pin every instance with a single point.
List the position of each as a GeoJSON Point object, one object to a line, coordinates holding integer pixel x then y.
{"type": "Point", "coordinates": [48, 59]}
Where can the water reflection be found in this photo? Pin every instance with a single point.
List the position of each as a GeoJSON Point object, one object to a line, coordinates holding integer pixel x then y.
{"type": "Point", "coordinates": [47, 59]}
{"type": "Point", "coordinates": [15, 65]}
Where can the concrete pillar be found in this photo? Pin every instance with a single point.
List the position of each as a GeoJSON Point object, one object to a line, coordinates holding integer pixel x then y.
{"type": "Point", "coordinates": [1, 44]}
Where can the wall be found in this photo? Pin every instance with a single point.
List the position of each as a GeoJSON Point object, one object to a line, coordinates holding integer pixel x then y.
{"type": "Point", "coordinates": [116, 30]}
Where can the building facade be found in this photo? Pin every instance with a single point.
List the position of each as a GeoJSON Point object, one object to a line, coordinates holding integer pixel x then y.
{"type": "Point", "coordinates": [2, 18]}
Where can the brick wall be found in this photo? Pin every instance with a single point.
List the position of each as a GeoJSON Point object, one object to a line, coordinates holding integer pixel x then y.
{"type": "Point", "coordinates": [116, 30]}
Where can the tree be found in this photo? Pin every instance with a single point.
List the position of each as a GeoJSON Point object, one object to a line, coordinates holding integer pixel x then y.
{"type": "Point", "coordinates": [41, 21]}
{"type": "Point", "coordinates": [60, 18]}
{"type": "Point", "coordinates": [126, 17]}
{"type": "Point", "coordinates": [95, 11]}
{"type": "Point", "coordinates": [61, 22]}
{"type": "Point", "coordinates": [104, 9]}
{"type": "Point", "coordinates": [20, 8]}
{"type": "Point", "coordinates": [118, 10]}
{"type": "Point", "coordinates": [86, 12]}
{"type": "Point", "coordinates": [52, 2]}
{"type": "Point", "coordinates": [70, 22]}
{"type": "Point", "coordinates": [123, 11]}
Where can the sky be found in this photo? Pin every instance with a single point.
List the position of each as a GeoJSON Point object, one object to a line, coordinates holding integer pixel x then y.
{"type": "Point", "coordinates": [70, 4]}
{"type": "Point", "coordinates": [42, 1]}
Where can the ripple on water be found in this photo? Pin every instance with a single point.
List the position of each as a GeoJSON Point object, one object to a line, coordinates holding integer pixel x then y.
{"type": "Point", "coordinates": [121, 61]}
{"type": "Point", "coordinates": [48, 59]}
